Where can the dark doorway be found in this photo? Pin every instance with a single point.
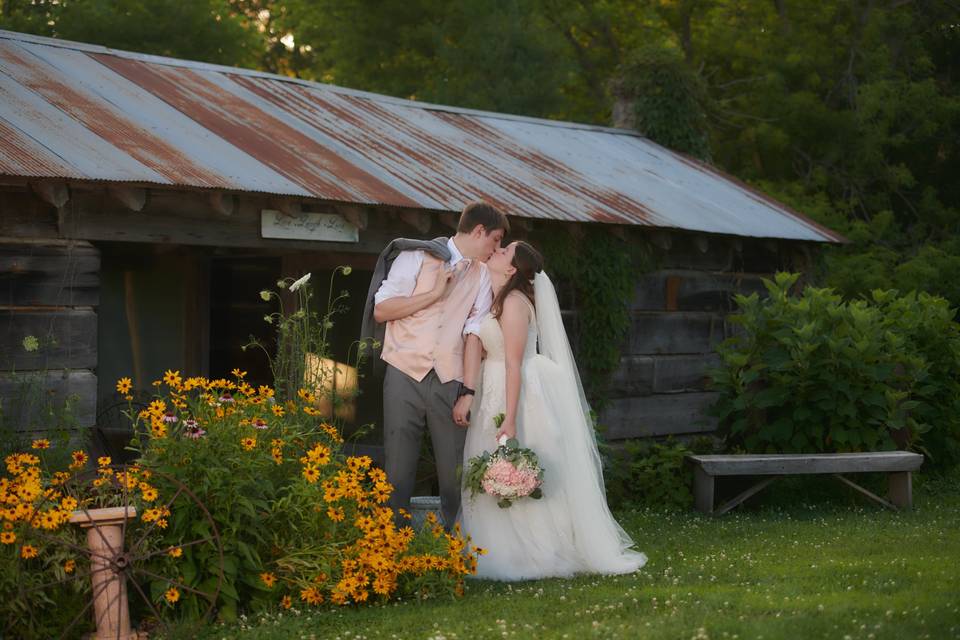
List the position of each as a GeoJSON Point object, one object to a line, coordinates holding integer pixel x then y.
{"type": "Point", "coordinates": [237, 312]}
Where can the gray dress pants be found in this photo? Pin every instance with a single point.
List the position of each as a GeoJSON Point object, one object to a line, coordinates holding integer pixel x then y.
{"type": "Point", "coordinates": [408, 407]}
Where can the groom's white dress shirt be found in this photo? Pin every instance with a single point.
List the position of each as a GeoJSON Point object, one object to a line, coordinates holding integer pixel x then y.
{"type": "Point", "coordinates": [402, 280]}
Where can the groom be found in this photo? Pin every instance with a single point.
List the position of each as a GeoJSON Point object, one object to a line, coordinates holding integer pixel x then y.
{"type": "Point", "coordinates": [433, 297]}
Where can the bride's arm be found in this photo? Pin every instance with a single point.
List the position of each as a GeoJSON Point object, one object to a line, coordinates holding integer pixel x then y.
{"type": "Point", "coordinates": [513, 322]}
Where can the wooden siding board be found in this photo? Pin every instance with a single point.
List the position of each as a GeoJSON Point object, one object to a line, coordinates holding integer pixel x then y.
{"type": "Point", "coordinates": [682, 373]}
{"type": "Point", "coordinates": [675, 333]}
{"type": "Point", "coordinates": [241, 230]}
{"type": "Point", "coordinates": [68, 338]}
{"type": "Point", "coordinates": [693, 290]}
{"type": "Point", "coordinates": [658, 415]}
{"type": "Point", "coordinates": [37, 274]}
{"type": "Point", "coordinates": [27, 395]}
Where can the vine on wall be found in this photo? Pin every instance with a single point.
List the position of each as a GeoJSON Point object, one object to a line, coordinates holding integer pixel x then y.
{"type": "Point", "coordinates": [601, 270]}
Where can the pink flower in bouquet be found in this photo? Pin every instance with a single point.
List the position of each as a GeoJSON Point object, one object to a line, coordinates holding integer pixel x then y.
{"type": "Point", "coordinates": [504, 480]}
{"type": "Point", "coordinates": [508, 474]}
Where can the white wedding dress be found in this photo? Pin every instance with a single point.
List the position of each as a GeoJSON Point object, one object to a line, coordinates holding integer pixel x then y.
{"type": "Point", "coordinates": [570, 530]}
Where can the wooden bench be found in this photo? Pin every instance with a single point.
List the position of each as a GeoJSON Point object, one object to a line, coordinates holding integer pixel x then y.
{"type": "Point", "coordinates": [896, 464]}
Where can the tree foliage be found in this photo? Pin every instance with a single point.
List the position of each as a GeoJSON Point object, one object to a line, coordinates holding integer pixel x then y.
{"type": "Point", "coordinates": [206, 30]}
{"type": "Point", "coordinates": [847, 110]}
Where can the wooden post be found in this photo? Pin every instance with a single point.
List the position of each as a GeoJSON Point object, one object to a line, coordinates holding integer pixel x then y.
{"type": "Point", "coordinates": [703, 490]}
{"type": "Point", "coordinates": [900, 489]}
{"type": "Point", "coordinates": [108, 563]}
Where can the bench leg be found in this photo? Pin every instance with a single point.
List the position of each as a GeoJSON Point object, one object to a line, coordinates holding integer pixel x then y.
{"type": "Point", "coordinates": [755, 489]}
{"type": "Point", "coordinates": [703, 485]}
{"type": "Point", "coordinates": [869, 494]}
{"type": "Point", "coordinates": [900, 489]}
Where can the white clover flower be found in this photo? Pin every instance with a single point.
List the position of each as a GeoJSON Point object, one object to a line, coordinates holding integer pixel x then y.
{"type": "Point", "coordinates": [299, 283]}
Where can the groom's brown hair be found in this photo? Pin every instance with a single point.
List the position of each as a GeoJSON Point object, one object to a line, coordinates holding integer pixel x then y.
{"type": "Point", "coordinates": [484, 213]}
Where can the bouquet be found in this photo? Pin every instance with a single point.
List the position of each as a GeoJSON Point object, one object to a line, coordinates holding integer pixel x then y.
{"type": "Point", "coordinates": [507, 474]}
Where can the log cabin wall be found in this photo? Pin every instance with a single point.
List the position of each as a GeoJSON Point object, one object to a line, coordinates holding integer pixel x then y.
{"type": "Point", "coordinates": [49, 294]}
{"type": "Point", "coordinates": [679, 316]}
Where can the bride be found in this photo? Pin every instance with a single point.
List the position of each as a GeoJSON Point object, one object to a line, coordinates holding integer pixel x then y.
{"type": "Point", "coordinates": [570, 530]}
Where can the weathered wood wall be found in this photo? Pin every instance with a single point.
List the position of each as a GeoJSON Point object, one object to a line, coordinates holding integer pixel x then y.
{"type": "Point", "coordinates": [679, 316]}
{"type": "Point", "coordinates": [49, 291]}
{"type": "Point", "coordinates": [678, 311]}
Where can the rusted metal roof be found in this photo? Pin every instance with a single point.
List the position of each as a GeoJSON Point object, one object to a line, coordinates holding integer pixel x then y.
{"type": "Point", "coordinates": [84, 112]}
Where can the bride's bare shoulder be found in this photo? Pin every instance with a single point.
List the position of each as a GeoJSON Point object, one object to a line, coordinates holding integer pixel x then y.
{"type": "Point", "coordinates": [517, 304]}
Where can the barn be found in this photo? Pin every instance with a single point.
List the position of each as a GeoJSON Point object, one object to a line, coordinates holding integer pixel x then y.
{"type": "Point", "coordinates": [145, 201]}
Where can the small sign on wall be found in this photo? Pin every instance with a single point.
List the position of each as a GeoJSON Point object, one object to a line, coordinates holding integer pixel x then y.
{"type": "Point", "coordinates": [325, 227]}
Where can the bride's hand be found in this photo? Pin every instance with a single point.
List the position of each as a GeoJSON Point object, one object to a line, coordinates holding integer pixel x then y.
{"type": "Point", "coordinates": [508, 429]}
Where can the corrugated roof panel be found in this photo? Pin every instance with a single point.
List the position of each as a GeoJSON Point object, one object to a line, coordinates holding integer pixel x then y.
{"type": "Point", "coordinates": [122, 130]}
{"type": "Point", "coordinates": [200, 145]}
{"type": "Point", "coordinates": [80, 111]}
{"type": "Point", "coordinates": [211, 101]}
{"type": "Point", "coordinates": [18, 152]}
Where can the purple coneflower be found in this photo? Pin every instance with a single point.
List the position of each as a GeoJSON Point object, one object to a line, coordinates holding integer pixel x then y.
{"type": "Point", "coordinates": [192, 429]}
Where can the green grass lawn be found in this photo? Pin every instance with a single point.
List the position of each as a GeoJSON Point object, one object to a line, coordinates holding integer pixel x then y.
{"type": "Point", "coordinates": [830, 566]}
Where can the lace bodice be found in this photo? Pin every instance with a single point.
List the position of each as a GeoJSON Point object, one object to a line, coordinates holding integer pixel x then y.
{"type": "Point", "coordinates": [493, 395]}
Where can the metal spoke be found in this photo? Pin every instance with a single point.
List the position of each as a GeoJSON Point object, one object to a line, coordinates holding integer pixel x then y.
{"type": "Point", "coordinates": [153, 523]}
{"type": "Point", "coordinates": [115, 603]}
{"type": "Point", "coordinates": [86, 607]}
{"type": "Point", "coordinates": [125, 503]}
{"type": "Point", "coordinates": [149, 602]}
{"type": "Point", "coordinates": [76, 576]}
{"type": "Point", "coordinates": [84, 550]}
{"type": "Point", "coordinates": [175, 583]}
{"type": "Point", "coordinates": [167, 550]}
{"type": "Point", "coordinates": [103, 538]}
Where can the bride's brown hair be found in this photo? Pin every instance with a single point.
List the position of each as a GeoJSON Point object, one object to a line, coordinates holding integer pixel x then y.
{"type": "Point", "coordinates": [528, 262]}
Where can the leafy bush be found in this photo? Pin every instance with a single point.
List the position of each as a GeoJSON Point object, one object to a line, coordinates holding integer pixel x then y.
{"type": "Point", "coordinates": [297, 519]}
{"type": "Point", "coordinates": [650, 473]}
{"type": "Point", "coordinates": [816, 373]}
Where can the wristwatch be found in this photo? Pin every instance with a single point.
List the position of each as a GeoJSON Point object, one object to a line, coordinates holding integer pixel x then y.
{"type": "Point", "coordinates": [465, 391]}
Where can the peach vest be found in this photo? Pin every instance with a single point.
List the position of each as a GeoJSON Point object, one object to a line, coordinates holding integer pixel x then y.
{"type": "Point", "coordinates": [432, 338]}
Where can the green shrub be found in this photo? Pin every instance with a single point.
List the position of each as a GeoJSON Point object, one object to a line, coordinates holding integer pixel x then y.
{"type": "Point", "coordinates": [816, 373]}
{"type": "Point", "coordinates": [644, 472]}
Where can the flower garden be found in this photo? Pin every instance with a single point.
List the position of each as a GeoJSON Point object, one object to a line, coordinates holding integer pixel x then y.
{"type": "Point", "coordinates": [244, 503]}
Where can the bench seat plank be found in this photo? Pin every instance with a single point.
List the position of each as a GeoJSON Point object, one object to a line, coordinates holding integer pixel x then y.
{"type": "Point", "coordinates": [808, 463]}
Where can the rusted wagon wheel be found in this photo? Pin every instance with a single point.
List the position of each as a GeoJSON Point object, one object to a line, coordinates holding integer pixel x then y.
{"type": "Point", "coordinates": [140, 570]}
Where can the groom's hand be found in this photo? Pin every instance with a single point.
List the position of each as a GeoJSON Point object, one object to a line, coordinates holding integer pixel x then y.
{"type": "Point", "coordinates": [461, 410]}
{"type": "Point", "coordinates": [442, 286]}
